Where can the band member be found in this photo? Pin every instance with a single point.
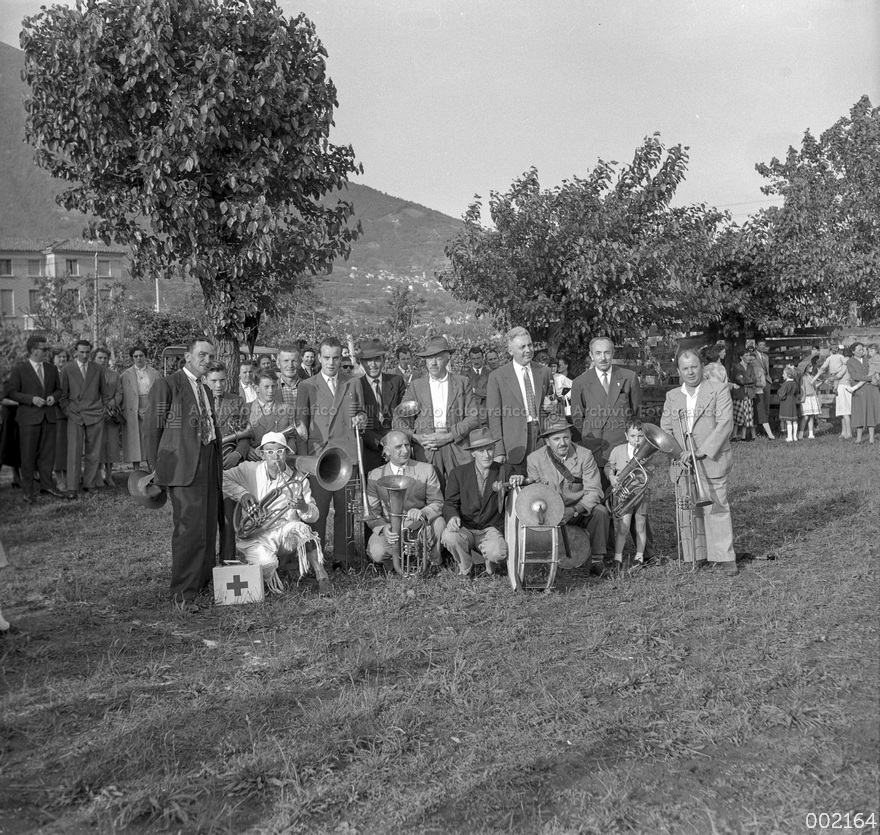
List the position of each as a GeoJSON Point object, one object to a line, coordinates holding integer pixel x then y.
{"type": "Point", "coordinates": [329, 412]}
{"type": "Point", "coordinates": [269, 488]}
{"type": "Point", "coordinates": [474, 521]}
{"type": "Point", "coordinates": [137, 380]}
{"type": "Point", "coordinates": [478, 376]}
{"type": "Point", "coordinates": [182, 442]}
{"type": "Point", "coordinates": [35, 386]}
{"type": "Point", "coordinates": [603, 399]}
{"type": "Point", "coordinates": [266, 414]}
{"type": "Point", "coordinates": [381, 394]}
{"type": "Point", "coordinates": [232, 417]}
{"type": "Point", "coordinates": [618, 459]}
{"type": "Point", "coordinates": [704, 410]}
{"type": "Point", "coordinates": [404, 364]}
{"type": "Point", "coordinates": [447, 415]}
{"type": "Point", "coordinates": [423, 505]}
{"type": "Point", "coordinates": [572, 472]}
{"type": "Point", "coordinates": [84, 399]}
{"type": "Point", "coordinates": [519, 395]}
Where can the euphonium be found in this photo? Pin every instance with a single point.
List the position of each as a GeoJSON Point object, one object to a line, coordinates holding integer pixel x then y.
{"type": "Point", "coordinates": [397, 487]}
{"type": "Point", "coordinates": [230, 441]}
{"type": "Point", "coordinates": [633, 478]}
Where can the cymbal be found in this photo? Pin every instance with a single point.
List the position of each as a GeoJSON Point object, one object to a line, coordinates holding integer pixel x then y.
{"type": "Point", "coordinates": [539, 505]}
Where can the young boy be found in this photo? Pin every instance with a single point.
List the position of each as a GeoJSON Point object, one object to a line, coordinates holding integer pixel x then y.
{"type": "Point", "coordinates": [617, 461]}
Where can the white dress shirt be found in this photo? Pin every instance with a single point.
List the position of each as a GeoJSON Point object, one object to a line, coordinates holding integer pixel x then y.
{"type": "Point", "coordinates": [201, 398]}
{"type": "Point", "coordinates": [521, 371]}
{"type": "Point", "coordinates": [690, 405]}
{"type": "Point", "coordinates": [439, 400]}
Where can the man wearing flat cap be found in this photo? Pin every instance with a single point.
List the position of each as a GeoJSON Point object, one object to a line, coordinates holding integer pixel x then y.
{"type": "Point", "coordinates": [572, 472]}
{"type": "Point", "coordinates": [381, 394]}
{"type": "Point", "coordinates": [448, 412]}
{"type": "Point", "coordinates": [473, 514]}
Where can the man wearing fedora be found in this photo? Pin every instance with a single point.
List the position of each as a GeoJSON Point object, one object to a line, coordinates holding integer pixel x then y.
{"type": "Point", "coordinates": [474, 519]}
{"type": "Point", "coordinates": [572, 472]}
{"type": "Point", "coordinates": [330, 412]}
{"type": "Point", "coordinates": [447, 413]}
{"type": "Point", "coordinates": [381, 394]}
{"type": "Point", "coordinates": [519, 396]}
{"type": "Point", "coordinates": [182, 444]}
{"type": "Point", "coordinates": [284, 496]}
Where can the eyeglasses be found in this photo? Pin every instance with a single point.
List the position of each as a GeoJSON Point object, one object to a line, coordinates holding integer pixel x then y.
{"type": "Point", "coordinates": [275, 453]}
{"type": "Point", "coordinates": [348, 367]}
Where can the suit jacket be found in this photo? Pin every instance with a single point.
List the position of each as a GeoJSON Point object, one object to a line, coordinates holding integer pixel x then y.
{"type": "Point", "coordinates": [581, 464]}
{"type": "Point", "coordinates": [601, 418]}
{"type": "Point", "coordinates": [25, 385]}
{"type": "Point", "coordinates": [171, 431]}
{"type": "Point", "coordinates": [233, 415]}
{"type": "Point", "coordinates": [463, 499]}
{"type": "Point", "coordinates": [506, 410]}
{"type": "Point", "coordinates": [713, 424]}
{"type": "Point", "coordinates": [84, 400]}
{"type": "Point", "coordinates": [379, 421]}
{"type": "Point", "coordinates": [408, 376]}
{"type": "Point", "coordinates": [327, 419]}
{"type": "Point", "coordinates": [276, 419]}
{"type": "Point", "coordinates": [479, 382]}
{"type": "Point", "coordinates": [425, 493]}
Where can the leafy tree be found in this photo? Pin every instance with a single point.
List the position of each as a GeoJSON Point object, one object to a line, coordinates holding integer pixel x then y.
{"type": "Point", "coordinates": [156, 331]}
{"type": "Point", "coordinates": [595, 255]}
{"type": "Point", "coordinates": [195, 132]}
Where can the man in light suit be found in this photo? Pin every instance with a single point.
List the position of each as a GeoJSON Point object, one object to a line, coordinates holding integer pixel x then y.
{"type": "Point", "coordinates": [423, 504]}
{"type": "Point", "coordinates": [603, 399]}
{"type": "Point", "coordinates": [182, 444]}
{"type": "Point", "coordinates": [382, 394]}
{"type": "Point", "coordinates": [84, 399]}
{"type": "Point", "coordinates": [330, 412]}
{"type": "Point", "coordinates": [519, 396]}
{"type": "Point", "coordinates": [704, 409]}
{"type": "Point", "coordinates": [447, 415]}
{"type": "Point", "coordinates": [35, 386]}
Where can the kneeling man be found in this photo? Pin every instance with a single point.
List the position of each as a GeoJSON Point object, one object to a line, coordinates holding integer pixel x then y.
{"type": "Point", "coordinates": [474, 521]}
{"type": "Point", "coordinates": [572, 472]}
{"type": "Point", "coordinates": [423, 505]}
{"type": "Point", "coordinates": [287, 510]}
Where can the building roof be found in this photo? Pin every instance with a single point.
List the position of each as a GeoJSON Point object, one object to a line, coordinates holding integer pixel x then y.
{"type": "Point", "coordinates": [24, 244]}
{"type": "Point", "coordinates": [45, 245]}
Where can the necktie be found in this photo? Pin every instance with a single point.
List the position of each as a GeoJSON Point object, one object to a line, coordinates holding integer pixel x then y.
{"type": "Point", "coordinates": [378, 392]}
{"type": "Point", "coordinates": [530, 394]}
{"type": "Point", "coordinates": [605, 381]}
{"type": "Point", "coordinates": [40, 375]}
{"type": "Point", "coordinates": [205, 427]}
{"type": "Point", "coordinates": [82, 368]}
{"type": "Point", "coordinates": [331, 381]}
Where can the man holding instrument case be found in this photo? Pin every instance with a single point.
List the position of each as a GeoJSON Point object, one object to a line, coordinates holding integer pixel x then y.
{"type": "Point", "coordinates": [699, 415]}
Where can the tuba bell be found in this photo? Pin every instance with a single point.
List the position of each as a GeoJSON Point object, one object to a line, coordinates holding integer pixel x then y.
{"type": "Point", "coordinates": [331, 469]}
{"type": "Point", "coordinates": [397, 486]}
{"type": "Point", "coordinates": [633, 478]}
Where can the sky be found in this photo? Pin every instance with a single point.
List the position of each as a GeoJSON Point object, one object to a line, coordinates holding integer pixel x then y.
{"type": "Point", "coordinates": [445, 99]}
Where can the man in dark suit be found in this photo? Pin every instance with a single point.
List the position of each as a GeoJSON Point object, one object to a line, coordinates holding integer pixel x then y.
{"type": "Point", "coordinates": [519, 396]}
{"type": "Point", "coordinates": [404, 364]}
{"type": "Point", "coordinates": [447, 414]}
{"type": "Point", "coordinates": [182, 441]}
{"type": "Point", "coordinates": [474, 521]}
{"type": "Point", "coordinates": [329, 412]}
{"type": "Point", "coordinates": [35, 386]}
{"type": "Point", "coordinates": [478, 376]}
{"type": "Point", "coordinates": [381, 395]}
{"type": "Point", "coordinates": [603, 399]}
{"type": "Point", "coordinates": [84, 399]}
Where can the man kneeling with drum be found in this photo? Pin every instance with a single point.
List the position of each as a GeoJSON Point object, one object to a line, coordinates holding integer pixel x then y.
{"type": "Point", "coordinates": [473, 513]}
{"type": "Point", "coordinates": [423, 505]}
{"type": "Point", "coordinates": [274, 504]}
{"type": "Point", "coordinates": [572, 472]}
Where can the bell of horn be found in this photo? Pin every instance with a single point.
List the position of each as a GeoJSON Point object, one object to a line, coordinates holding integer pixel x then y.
{"type": "Point", "coordinates": [331, 469]}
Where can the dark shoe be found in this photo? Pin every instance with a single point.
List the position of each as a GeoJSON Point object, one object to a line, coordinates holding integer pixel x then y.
{"type": "Point", "coordinates": [29, 499]}
{"type": "Point", "coordinates": [188, 607]}
{"type": "Point", "coordinates": [730, 569]}
{"type": "Point", "coordinates": [57, 494]}
{"type": "Point", "coordinates": [12, 630]}
{"type": "Point", "coordinates": [325, 588]}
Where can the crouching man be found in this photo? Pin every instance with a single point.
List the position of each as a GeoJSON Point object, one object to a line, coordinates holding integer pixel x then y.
{"type": "Point", "coordinates": [276, 503]}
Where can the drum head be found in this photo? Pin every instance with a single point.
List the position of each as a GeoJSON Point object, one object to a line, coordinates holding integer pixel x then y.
{"type": "Point", "coordinates": [535, 498]}
{"type": "Point", "coordinates": [579, 547]}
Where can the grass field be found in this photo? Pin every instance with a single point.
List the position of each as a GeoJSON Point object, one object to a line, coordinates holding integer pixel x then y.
{"type": "Point", "coordinates": [661, 702]}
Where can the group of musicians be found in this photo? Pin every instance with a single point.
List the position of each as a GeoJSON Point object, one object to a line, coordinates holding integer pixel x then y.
{"type": "Point", "coordinates": [457, 440]}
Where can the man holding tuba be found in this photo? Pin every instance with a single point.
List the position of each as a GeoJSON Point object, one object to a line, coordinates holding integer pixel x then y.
{"type": "Point", "coordinates": [275, 503]}
{"type": "Point", "coordinates": [423, 505]}
{"type": "Point", "coordinates": [699, 415]}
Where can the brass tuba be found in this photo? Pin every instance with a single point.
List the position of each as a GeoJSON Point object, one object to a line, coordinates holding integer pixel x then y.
{"type": "Point", "coordinates": [331, 469]}
{"type": "Point", "coordinates": [229, 442]}
{"type": "Point", "coordinates": [397, 486]}
{"type": "Point", "coordinates": [633, 478]}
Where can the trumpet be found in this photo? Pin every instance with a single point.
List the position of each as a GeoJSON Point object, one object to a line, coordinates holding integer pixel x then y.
{"type": "Point", "coordinates": [633, 478]}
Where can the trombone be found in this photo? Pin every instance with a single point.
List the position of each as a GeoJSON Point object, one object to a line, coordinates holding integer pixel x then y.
{"type": "Point", "coordinates": [690, 494]}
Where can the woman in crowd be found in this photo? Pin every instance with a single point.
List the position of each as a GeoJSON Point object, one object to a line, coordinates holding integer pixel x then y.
{"type": "Point", "coordinates": [137, 381]}
{"type": "Point", "coordinates": [110, 454]}
{"type": "Point", "coordinates": [843, 401]}
{"type": "Point", "coordinates": [713, 359]}
{"type": "Point", "coordinates": [742, 376]}
{"type": "Point", "coordinates": [865, 397]}
{"type": "Point", "coordinates": [60, 358]}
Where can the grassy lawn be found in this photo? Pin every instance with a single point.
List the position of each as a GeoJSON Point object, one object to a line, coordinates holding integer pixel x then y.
{"type": "Point", "coordinates": [662, 702]}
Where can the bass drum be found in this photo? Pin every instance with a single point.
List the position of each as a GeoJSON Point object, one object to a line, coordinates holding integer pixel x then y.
{"type": "Point", "coordinates": [532, 551]}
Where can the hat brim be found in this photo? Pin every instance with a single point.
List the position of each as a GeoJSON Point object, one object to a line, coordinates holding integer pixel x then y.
{"type": "Point", "coordinates": [426, 354]}
{"type": "Point", "coordinates": [555, 430]}
{"type": "Point", "coordinates": [481, 444]}
{"type": "Point", "coordinates": [372, 354]}
{"type": "Point", "coordinates": [273, 441]}
{"type": "Point", "coordinates": [135, 480]}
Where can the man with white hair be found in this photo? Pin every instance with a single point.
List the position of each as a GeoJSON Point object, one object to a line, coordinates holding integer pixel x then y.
{"type": "Point", "coordinates": [271, 490]}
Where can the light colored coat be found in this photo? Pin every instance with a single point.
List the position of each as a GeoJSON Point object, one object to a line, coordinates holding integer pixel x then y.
{"type": "Point", "coordinates": [131, 431]}
{"type": "Point", "coordinates": [425, 493]}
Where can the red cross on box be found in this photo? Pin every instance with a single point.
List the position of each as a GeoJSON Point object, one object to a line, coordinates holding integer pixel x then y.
{"type": "Point", "coordinates": [237, 584]}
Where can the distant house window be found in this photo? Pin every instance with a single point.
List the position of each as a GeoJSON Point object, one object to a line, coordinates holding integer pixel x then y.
{"type": "Point", "coordinates": [105, 294]}
{"type": "Point", "coordinates": [5, 266]}
{"type": "Point", "coordinates": [104, 269]}
{"type": "Point", "coordinates": [7, 306]}
{"type": "Point", "coordinates": [34, 301]}
{"type": "Point", "coordinates": [34, 267]}
{"type": "Point", "coordinates": [73, 266]}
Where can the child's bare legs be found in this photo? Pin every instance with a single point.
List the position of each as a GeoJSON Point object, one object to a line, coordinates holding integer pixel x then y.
{"type": "Point", "coordinates": [641, 536]}
{"type": "Point", "coordinates": [870, 434]}
{"type": "Point", "coordinates": [803, 426]}
{"type": "Point", "coordinates": [621, 531]}
{"type": "Point", "coordinates": [811, 426]}
{"type": "Point", "coordinates": [846, 426]}
{"type": "Point", "coordinates": [859, 435]}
